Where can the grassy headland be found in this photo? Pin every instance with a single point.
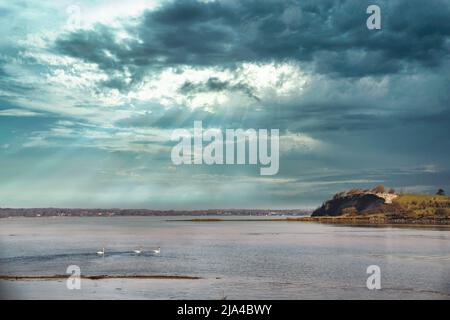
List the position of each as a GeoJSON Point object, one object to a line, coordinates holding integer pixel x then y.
{"type": "Point", "coordinates": [377, 206]}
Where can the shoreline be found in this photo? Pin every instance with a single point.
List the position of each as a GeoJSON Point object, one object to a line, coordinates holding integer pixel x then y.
{"type": "Point", "coordinates": [366, 221]}
{"type": "Point", "coordinates": [95, 277]}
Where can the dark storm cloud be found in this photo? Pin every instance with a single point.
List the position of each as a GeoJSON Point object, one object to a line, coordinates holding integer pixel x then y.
{"type": "Point", "coordinates": [332, 34]}
{"type": "Point", "coordinates": [96, 46]}
{"type": "Point", "coordinates": [215, 85]}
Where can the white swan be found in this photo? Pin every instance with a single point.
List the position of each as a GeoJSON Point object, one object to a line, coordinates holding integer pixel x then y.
{"type": "Point", "coordinates": [101, 253]}
{"type": "Point", "coordinates": [137, 251]}
{"type": "Point", "coordinates": [157, 251]}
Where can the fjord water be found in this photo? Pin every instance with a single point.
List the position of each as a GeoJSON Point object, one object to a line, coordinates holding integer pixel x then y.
{"type": "Point", "coordinates": [234, 259]}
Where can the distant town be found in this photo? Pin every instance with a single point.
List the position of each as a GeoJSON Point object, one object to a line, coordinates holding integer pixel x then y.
{"type": "Point", "coordinates": [58, 212]}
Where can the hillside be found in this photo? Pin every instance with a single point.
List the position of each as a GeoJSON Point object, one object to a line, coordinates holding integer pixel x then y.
{"type": "Point", "coordinates": [386, 207]}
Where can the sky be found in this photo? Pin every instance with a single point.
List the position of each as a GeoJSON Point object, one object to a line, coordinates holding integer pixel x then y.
{"type": "Point", "coordinates": [91, 91]}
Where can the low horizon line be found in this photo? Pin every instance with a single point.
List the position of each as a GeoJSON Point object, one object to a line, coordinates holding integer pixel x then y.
{"type": "Point", "coordinates": [148, 209]}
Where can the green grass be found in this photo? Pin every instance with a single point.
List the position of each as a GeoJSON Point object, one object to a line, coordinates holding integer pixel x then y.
{"type": "Point", "coordinates": [409, 198]}
{"type": "Point", "coordinates": [423, 205]}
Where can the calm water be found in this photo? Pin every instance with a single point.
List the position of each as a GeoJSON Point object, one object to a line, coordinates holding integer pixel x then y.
{"type": "Point", "coordinates": [239, 260]}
